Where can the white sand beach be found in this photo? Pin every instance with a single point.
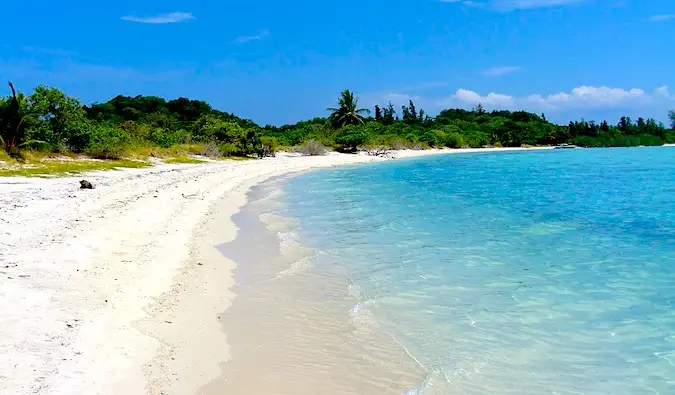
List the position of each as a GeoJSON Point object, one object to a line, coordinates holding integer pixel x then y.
{"type": "Point", "coordinates": [117, 290]}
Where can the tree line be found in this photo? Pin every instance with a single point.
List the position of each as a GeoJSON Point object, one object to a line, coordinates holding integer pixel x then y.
{"type": "Point", "coordinates": [48, 119]}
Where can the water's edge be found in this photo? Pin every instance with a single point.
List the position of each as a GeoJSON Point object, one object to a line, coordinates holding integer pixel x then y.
{"type": "Point", "coordinates": [294, 328]}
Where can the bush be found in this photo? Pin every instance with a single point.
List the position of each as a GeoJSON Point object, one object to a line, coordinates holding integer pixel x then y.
{"type": "Point", "coordinates": [166, 138]}
{"type": "Point", "coordinates": [268, 146]}
{"type": "Point", "coordinates": [349, 139]}
{"type": "Point", "coordinates": [228, 149]}
{"type": "Point", "coordinates": [435, 138]}
{"type": "Point", "coordinates": [454, 140]}
{"type": "Point", "coordinates": [77, 137]}
{"type": "Point", "coordinates": [107, 142]}
{"type": "Point", "coordinates": [210, 149]}
{"type": "Point", "coordinates": [670, 137]}
{"type": "Point", "coordinates": [312, 148]}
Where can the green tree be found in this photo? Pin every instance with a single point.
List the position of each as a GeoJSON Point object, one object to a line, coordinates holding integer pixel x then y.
{"type": "Point", "coordinates": [347, 112]}
{"type": "Point", "coordinates": [349, 138]}
{"type": "Point", "coordinates": [56, 113]}
{"type": "Point", "coordinates": [410, 113]}
{"type": "Point", "coordinates": [389, 116]}
{"type": "Point", "coordinates": [14, 120]}
{"type": "Point", "coordinates": [378, 113]}
{"type": "Point", "coordinates": [671, 116]}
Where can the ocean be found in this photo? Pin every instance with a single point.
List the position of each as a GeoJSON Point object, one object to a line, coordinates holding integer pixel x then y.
{"type": "Point", "coordinates": [547, 272]}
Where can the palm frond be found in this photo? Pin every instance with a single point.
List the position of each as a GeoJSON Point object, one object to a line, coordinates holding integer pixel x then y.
{"type": "Point", "coordinates": [32, 142]}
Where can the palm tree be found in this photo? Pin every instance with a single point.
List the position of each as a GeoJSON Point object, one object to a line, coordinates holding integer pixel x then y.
{"type": "Point", "coordinates": [347, 112]}
{"type": "Point", "coordinates": [13, 121]}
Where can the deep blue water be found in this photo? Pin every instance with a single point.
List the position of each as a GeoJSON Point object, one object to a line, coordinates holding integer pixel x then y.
{"type": "Point", "coordinates": [549, 272]}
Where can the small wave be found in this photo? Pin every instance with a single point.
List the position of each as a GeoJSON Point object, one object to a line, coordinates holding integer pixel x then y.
{"type": "Point", "coordinates": [419, 390]}
{"type": "Point", "coordinates": [277, 223]}
{"type": "Point", "coordinates": [362, 316]}
{"type": "Point", "coordinates": [354, 290]}
{"type": "Point", "coordinates": [288, 239]}
{"type": "Point", "coordinates": [272, 192]}
{"type": "Point", "coordinates": [302, 265]}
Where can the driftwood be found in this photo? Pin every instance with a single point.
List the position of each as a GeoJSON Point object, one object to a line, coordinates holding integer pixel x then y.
{"type": "Point", "coordinates": [379, 151]}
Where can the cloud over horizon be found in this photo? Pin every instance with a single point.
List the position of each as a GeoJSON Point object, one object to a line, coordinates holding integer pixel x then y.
{"type": "Point", "coordinates": [255, 37]}
{"type": "Point", "coordinates": [580, 98]}
{"type": "Point", "coordinates": [508, 5]}
{"type": "Point", "coordinates": [171, 17]}
{"type": "Point", "coordinates": [502, 70]}
{"type": "Point", "coordinates": [662, 18]}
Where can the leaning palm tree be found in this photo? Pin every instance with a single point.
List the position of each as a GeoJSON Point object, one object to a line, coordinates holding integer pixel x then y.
{"type": "Point", "coordinates": [347, 112]}
{"type": "Point", "coordinates": [13, 122]}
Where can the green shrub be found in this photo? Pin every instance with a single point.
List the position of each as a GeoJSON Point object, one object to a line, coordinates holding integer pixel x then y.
{"type": "Point", "coordinates": [77, 136]}
{"type": "Point", "coordinates": [670, 137]}
{"type": "Point", "coordinates": [268, 146]}
{"type": "Point", "coordinates": [228, 149]}
{"type": "Point", "coordinates": [350, 138]}
{"type": "Point", "coordinates": [435, 138]}
{"type": "Point", "coordinates": [210, 149]}
{"type": "Point", "coordinates": [107, 142]}
{"type": "Point", "coordinates": [166, 138]}
{"type": "Point", "coordinates": [454, 140]}
{"type": "Point", "coordinates": [312, 148]}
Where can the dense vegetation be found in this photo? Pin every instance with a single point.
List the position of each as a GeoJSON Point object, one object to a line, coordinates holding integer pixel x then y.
{"type": "Point", "coordinates": [48, 119]}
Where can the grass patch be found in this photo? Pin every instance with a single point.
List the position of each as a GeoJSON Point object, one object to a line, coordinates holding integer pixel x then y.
{"type": "Point", "coordinates": [182, 159]}
{"type": "Point", "coordinates": [176, 151]}
{"type": "Point", "coordinates": [30, 163]}
{"type": "Point", "coordinates": [58, 168]}
{"type": "Point", "coordinates": [238, 158]}
{"type": "Point", "coordinates": [4, 156]}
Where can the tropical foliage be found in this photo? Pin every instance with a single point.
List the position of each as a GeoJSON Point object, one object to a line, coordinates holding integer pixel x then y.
{"type": "Point", "coordinates": [50, 120]}
{"type": "Point", "coordinates": [13, 121]}
{"type": "Point", "coordinates": [347, 111]}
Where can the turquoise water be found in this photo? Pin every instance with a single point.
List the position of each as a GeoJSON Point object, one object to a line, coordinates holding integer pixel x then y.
{"type": "Point", "coordinates": [548, 272]}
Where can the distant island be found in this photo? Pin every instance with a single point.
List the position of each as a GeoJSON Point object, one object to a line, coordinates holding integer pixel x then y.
{"type": "Point", "coordinates": [50, 120]}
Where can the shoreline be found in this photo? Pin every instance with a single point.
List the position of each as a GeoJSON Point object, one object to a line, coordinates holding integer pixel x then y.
{"type": "Point", "coordinates": [104, 292]}
{"type": "Point", "coordinates": [297, 326]}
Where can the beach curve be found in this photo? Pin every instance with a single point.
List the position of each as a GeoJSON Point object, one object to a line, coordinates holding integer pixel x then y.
{"type": "Point", "coordinates": [118, 289]}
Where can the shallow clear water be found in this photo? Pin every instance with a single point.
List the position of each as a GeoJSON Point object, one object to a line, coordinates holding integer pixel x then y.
{"type": "Point", "coordinates": [512, 273]}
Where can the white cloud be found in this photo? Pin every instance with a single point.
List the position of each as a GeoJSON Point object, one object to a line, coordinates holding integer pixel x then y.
{"type": "Point", "coordinates": [662, 91]}
{"type": "Point", "coordinates": [467, 96]}
{"type": "Point", "coordinates": [528, 4]}
{"type": "Point", "coordinates": [492, 99]}
{"type": "Point", "coordinates": [581, 97]}
{"type": "Point", "coordinates": [256, 37]}
{"type": "Point", "coordinates": [503, 70]}
{"type": "Point", "coordinates": [475, 4]}
{"type": "Point", "coordinates": [662, 18]}
{"type": "Point", "coordinates": [507, 5]}
{"type": "Point", "coordinates": [172, 17]}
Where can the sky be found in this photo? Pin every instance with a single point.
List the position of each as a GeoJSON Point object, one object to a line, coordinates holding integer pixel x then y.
{"type": "Point", "coordinates": [280, 62]}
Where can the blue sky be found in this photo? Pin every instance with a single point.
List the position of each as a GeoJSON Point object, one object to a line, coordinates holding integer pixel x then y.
{"type": "Point", "coordinates": [278, 62]}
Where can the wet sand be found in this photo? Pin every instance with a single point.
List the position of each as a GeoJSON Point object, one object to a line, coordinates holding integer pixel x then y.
{"type": "Point", "coordinates": [292, 326]}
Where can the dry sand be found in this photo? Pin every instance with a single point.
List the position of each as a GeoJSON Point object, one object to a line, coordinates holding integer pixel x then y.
{"type": "Point", "coordinates": [118, 289]}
